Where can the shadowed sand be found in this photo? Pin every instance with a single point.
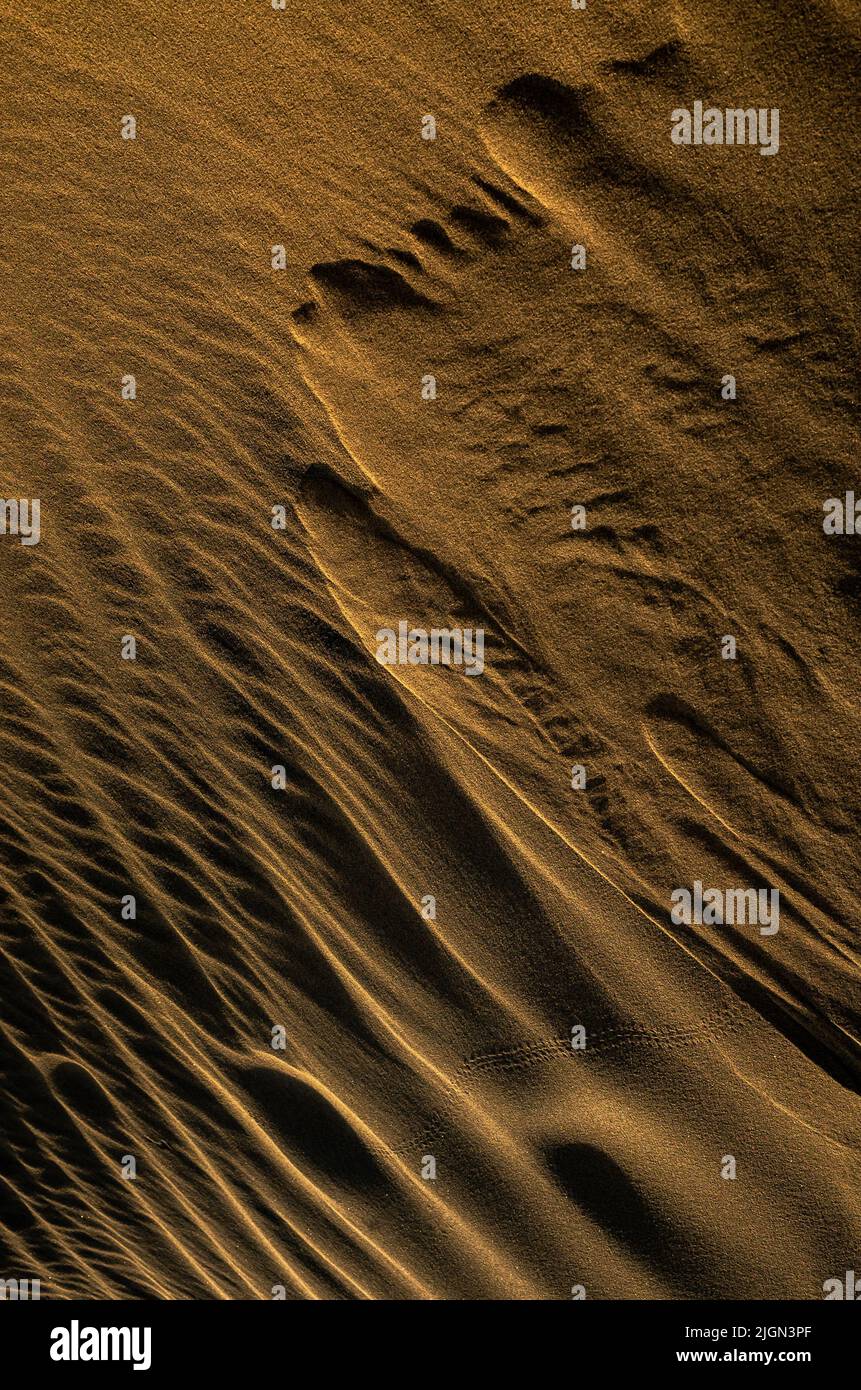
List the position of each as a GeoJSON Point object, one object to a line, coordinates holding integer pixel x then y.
{"type": "Point", "coordinates": [300, 907]}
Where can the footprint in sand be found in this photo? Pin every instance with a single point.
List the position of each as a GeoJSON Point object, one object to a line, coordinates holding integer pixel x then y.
{"type": "Point", "coordinates": [622, 414]}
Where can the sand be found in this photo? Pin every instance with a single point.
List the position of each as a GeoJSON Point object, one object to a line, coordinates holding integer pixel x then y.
{"type": "Point", "coordinates": [290, 1073]}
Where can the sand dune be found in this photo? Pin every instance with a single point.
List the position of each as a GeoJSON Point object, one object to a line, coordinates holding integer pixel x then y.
{"type": "Point", "coordinates": [371, 902]}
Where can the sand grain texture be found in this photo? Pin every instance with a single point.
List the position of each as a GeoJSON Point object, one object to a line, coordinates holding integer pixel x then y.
{"type": "Point", "coordinates": [301, 907]}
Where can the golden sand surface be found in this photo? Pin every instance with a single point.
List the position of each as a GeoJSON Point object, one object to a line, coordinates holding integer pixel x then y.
{"type": "Point", "coordinates": [328, 1083]}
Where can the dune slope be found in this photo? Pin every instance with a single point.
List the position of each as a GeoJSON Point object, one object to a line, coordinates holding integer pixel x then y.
{"type": "Point", "coordinates": [298, 949]}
